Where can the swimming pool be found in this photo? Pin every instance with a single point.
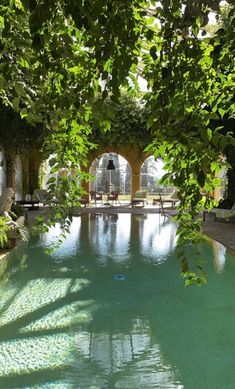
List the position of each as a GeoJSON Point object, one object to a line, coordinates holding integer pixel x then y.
{"type": "Point", "coordinates": [108, 309]}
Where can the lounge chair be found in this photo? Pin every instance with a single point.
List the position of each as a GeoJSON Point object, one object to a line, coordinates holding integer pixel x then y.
{"type": "Point", "coordinates": [140, 198]}
{"type": "Point", "coordinates": [224, 213]}
{"type": "Point", "coordinates": [172, 199]}
{"type": "Point", "coordinates": [95, 196]}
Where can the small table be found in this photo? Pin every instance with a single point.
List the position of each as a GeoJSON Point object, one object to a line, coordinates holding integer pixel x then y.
{"type": "Point", "coordinates": [29, 204]}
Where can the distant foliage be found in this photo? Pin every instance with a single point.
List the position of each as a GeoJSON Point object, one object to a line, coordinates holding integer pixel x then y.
{"type": "Point", "coordinates": [127, 122]}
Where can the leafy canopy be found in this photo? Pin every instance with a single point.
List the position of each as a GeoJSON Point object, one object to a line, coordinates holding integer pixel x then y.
{"type": "Point", "coordinates": [57, 56]}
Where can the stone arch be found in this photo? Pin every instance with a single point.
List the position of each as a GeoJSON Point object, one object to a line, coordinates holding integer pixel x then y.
{"type": "Point", "coordinates": [118, 180]}
{"type": "Point", "coordinates": [31, 161]}
{"type": "Point", "coordinates": [134, 156]}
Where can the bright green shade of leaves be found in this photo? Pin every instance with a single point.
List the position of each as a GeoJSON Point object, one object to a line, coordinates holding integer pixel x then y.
{"type": "Point", "coordinates": [23, 63]}
{"type": "Point", "coordinates": [55, 54]}
{"type": "Point", "coordinates": [75, 70]}
{"type": "Point", "coordinates": [23, 113]}
{"type": "Point", "coordinates": [1, 22]}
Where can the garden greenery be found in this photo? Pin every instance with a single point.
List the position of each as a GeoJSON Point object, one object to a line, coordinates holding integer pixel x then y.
{"type": "Point", "coordinates": [57, 56]}
{"type": "Point", "coordinates": [4, 228]}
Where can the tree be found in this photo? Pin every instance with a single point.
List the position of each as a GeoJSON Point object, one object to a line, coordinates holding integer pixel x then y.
{"type": "Point", "coordinates": [55, 54]}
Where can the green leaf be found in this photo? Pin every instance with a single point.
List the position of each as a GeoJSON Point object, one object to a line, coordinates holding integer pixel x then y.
{"type": "Point", "coordinates": [19, 89]}
{"type": "Point", "coordinates": [23, 113]}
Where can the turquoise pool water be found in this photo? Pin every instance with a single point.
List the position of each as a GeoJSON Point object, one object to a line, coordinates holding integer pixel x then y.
{"type": "Point", "coordinates": [109, 310]}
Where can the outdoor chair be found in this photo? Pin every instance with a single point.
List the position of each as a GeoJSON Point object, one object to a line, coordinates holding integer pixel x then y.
{"type": "Point", "coordinates": [95, 196]}
{"type": "Point", "coordinates": [113, 196]}
{"type": "Point", "coordinates": [83, 201]}
{"type": "Point", "coordinates": [140, 198]}
{"type": "Point", "coordinates": [172, 199]}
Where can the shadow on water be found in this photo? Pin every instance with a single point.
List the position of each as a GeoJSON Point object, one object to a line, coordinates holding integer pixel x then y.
{"type": "Point", "coordinates": [34, 378]}
{"type": "Point", "coordinates": [142, 330]}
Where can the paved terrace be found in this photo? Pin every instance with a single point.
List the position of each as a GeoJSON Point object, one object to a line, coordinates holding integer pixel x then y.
{"type": "Point", "coordinates": [221, 231]}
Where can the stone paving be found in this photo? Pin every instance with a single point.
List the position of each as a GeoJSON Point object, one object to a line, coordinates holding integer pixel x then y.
{"type": "Point", "coordinates": [221, 230]}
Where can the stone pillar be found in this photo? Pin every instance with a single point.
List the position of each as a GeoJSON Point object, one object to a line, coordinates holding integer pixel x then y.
{"type": "Point", "coordinates": [25, 175]}
{"type": "Point", "coordinates": [10, 170]}
{"type": "Point", "coordinates": [35, 160]}
{"type": "Point", "coordinates": [217, 194]}
{"type": "Point", "coordinates": [85, 184]}
{"type": "Point", "coordinates": [135, 183]}
{"type": "Point", "coordinates": [30, 171]}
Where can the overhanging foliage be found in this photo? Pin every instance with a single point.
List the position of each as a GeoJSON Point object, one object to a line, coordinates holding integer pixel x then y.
{"type": "Point", "coordinates": [54, 55]}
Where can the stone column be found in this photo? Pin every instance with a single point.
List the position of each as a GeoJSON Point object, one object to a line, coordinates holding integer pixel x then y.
{"type": "Point", "coordinates": [30, 171]}
{"type": "Point", "coordinates": [135, 182]}
{"type": "Point", "coordinates": [85, 184]}
{"type": "Point", "coordinates": [35, 160]}
{"type": "Point", "coordinates": [25, 174]}
{"type": "Point", "coordinates": [10, 170]}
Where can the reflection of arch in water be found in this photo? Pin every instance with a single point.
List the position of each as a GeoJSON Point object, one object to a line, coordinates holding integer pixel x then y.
{"type": "Point", "coordinates": [157, 239]}
{"type": "Point", "coordinates": [70, 245]}
{"type": "Point", "coordinates": [108, 354]}
{"type": "Point", "coordinates": [219, 255]}
{"type": "Point", "coordinates": [118, 180]}
{"type": "Point", "coordinates": [109, 235]}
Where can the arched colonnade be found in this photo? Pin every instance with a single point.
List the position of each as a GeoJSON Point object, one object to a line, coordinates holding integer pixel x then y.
{"type": "Point", "coordinates": [21, 171]}
{"type": "Point", "coordinates": [27, 179]}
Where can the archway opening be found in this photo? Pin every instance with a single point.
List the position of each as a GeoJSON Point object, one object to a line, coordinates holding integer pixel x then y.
{"type": "Point", "coordinates": [45, 173]}
{"type": "Point", "coordinates": [117, 179]}
{"type": "Point", "coordinates": [151, 172]}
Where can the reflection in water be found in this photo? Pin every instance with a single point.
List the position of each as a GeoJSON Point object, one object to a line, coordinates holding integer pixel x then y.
{"type": "Point", "coordinates": [67, 321]}
{"type": "Point", "coordinates": [133, 354]}
{"type": "Point", "coordinates": [219, 255]}
{"type": "Point", "coordinates": [69, 246]}
{"type": "Point", "coordinates": [109, 235]}
{"type": "Point", "coordinates": [157, 241]}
